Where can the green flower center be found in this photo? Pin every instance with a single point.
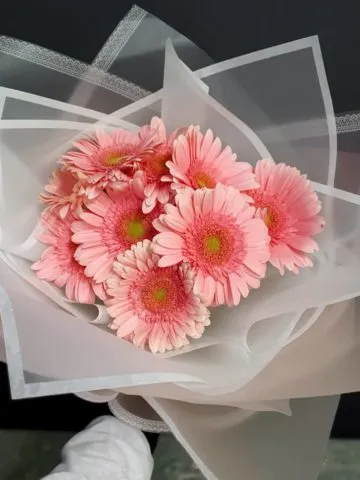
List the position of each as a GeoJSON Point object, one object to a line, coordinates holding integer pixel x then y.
{"type": "Point", "coordinates": [213, 244]}
{"type": "Point", "coordinates": [136, 229]}
{"type": "Point", "coordinates": [160, 294]}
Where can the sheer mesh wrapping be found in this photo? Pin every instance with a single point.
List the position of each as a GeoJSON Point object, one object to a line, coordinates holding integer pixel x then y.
{"type": "Point", "coordinates": [36, 70]}
{"type": "Point", "coordinates": [136, 50]}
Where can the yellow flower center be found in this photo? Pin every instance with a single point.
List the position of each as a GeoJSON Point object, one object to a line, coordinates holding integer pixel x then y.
{"type": "Point", "coordinates": [114, 160]}
{"type": "Point", "coordinates": [269, 218]}
{"type": "Point", "coordinates": [136, 229]}
{"type": "Point", "coordinates": [203, 180]}
{"type": "Point", "coordinates": [213, 244]}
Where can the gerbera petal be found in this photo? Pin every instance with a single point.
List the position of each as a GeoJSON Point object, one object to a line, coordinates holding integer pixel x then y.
{"type": "Point", "coordinates": [149, 189]}
{"type": "Point", "coordinates": [99, 268]}
{"type": "Point", "coordinates": [99, 205]}
{"type": "Point", "coordinates": [148, 206]}
{"type": "Point", "coordinates": [85, 255]}
{"type": "Point", "coordinates": [90, 237]}
{"type": "Point", "coordinates": [64, 210]}
{"type": "Point", "coordinates": [91, 219]}
{"type": "Point", "coordinates": [169, 240]}
{"type": "Point", "coordinates": [128, 327]}
{"type": "Point", "coordinates": [209, 290]}
{"type": "Point", "coordinates": [177, 173]}
{"type": "Point", "coordinates": [184, 205]}
{"type": "Point", "coordinates": [219, 294]}
{"type": "Point", "coordinates": [176, 223]}
{"type": "Point", "coordinates": [168, 260]}
{"type": "Point", "coordinates": [62, 279]}
{"type": "Point", "coordinates": [305, 244]}
{"type": "Point", "coordinates": [84, 292]}
{"type": "Point", "coordinates": [182, 148]}
{"type": "Point", "coordinates": [100, 290]}
{"type": "Point", "coordinates": [141, 335]}
{"type": "Point", "coordinates": [158, 125]}
{"type": "Point", "coordinates": [163, 194]}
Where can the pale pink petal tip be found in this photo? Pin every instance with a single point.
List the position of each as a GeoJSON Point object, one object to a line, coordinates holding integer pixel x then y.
{"type": "Point", "coordinates": [215, 232]}
{"type": "Point", "coordinates": [288, 204]}
{"type": "Point", "coordinates": [154, 307]}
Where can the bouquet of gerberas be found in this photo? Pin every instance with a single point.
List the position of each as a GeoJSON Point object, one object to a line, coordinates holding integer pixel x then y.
{"type": "Point", "coordinates": [152, 223]}
{"type": "Point", "coordinates": [163, 227]}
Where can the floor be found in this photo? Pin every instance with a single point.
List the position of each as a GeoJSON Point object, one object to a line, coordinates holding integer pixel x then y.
{"type": "Point", "coordinates": [172, 463]}
{"type": "Point", "coordinates": [30, 455]}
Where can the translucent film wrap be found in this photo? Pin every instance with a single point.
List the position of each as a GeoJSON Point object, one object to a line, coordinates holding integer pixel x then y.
{"type": "Point", "coordinates": [38, 71]}
{"type": "Point", "coordinates": [137, 47]}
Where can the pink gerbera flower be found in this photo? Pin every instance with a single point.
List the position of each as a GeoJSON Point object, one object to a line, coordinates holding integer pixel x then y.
{"type": "Point", "coordinates": [154, 307]}
{"type": "Point", "coordinates": [64, 193]}
{"type": "Point", "coordinates": [199, 161]}
{"type": "Point", "coordinates": [215, 232]}
{"type": "Point", "coordinates": [108, 158]}
{"type": "Point", "coordinates": [57, 263]}
{"type": "Point", "coordinates": [289, 206]}
{"type": "Point", "coordinates": [114, 223]}
{"type": "Point", "coordinates": [154, 178]}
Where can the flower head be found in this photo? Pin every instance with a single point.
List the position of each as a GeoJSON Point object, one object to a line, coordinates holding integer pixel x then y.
{"type": "Point", "coordinates": [199, 161]}
{"type": "Point", "coordinates": [215, 232]}
{"type": "Point", "coordinates": [154, 176]}
{"type": "Point", "coordinates": [64, 193]}
{"type": "Point", "coordinates": [154, 307]}
{"type": "Point", "coordinates": [57, 263]}
{"type": "Point", "coordinates": [289, 206]}
{"type": "Point", "coordinates": [108, 158]}
{"type": "Point", "coordinates": [114, 223]}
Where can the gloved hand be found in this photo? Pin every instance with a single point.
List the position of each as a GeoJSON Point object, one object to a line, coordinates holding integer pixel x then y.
{"type": "Point", "coordinates": [106, 450]}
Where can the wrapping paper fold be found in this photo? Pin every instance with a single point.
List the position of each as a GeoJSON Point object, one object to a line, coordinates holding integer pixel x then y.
{"type": "Point", "coordinates": [234, 444]}
{"type": "Point", "coordinates": [305, 368]}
